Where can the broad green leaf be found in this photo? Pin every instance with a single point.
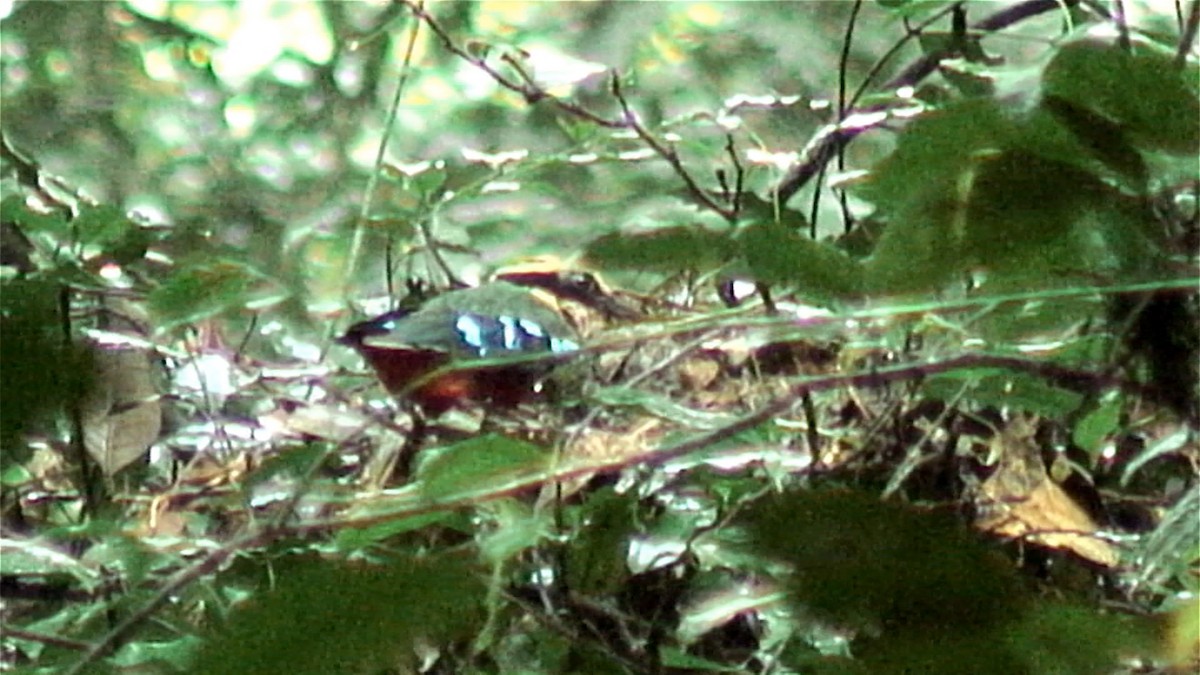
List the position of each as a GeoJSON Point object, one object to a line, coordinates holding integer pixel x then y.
{"type": "Point", "coordinates": [596, 558]}
{"type": "Point", "coordinates": [998, 388]}
{"type": "Point", "coordinates": [1091, 430]}
{"type": "Point", "coordinates": [516, 527]}
{"type": "Point", "coordinates": [354, 539]}
{"type": "Point", "coordinates": [1054, 636]}
{"type": "Point", "coordinates": [775, 254]}
{"type": "Point", "coordinates": [933, 153]}
{"type": "Point", "coordinates": [921, 191]}
{"type": "Point", "coordinates": [1019, 205]}
{"type": "Point", "coordinates": [329, 616]}
{"type": "Point", "coordinates": [920, 249]}
{"type": "Point", "coordinates": [479, 464]}
{"type": "Point", "coordinates": [202, 288]}
{"type": "Point", "coordinates": [1142, 92]}
{"type": "Point", "coordinates": [153, 655]}
{"type": "Point", "coordinates": [867, 562]}
{"type": "Point", "coordinates": [670, 249]}
{"type": "Point", "coordinates": [1095, 138]}
{"type": "Point", "coordinates": [14, 209]}
{"type": "Point", "coordinates": [101, 225]}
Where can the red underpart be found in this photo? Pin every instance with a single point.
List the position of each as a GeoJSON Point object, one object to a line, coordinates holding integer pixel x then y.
{"type": "Point", "coordinates": [399, 369]}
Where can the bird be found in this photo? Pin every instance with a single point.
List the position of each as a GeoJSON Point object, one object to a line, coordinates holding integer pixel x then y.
{"type": "Point", "coordinates": [451, 350]}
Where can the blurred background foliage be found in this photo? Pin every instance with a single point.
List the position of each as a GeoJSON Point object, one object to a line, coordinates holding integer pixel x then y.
{"type": "Point", "coordinates": [186, 180]}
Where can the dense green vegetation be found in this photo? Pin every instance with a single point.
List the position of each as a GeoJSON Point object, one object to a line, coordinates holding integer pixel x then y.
{"type": "Point", "coordinates": [893, 367]}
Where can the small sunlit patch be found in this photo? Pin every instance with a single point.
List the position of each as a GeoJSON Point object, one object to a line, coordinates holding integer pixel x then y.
{"type": "Point", "coordinates": [907, 91]}
{"type": "Point", "coordinates": [558, 72]}
{"type": "Point", "coordinates": [147, 209]}
{"type": "Point", "coordinates": [583, 158]}
{"type": "Point", "coordinates": [409, 170]}
{"type": "Point", "coordinates": [494, 159]}
{"type": "Point", "coordinates": [111, 272]}
{"type": "Point", "coordinates": [492, 187]}
{"type": "Point", "coordinates": [159, 64]}
{"type": "Point", "coordinates": [704, 14]}
{"type": "Point", "coordinates": [199, 55]}
{"type": "Point", "coordinates": [212, 374]}
{"type": "Point", "coordinates": [727, 121]}
{"type": "Point", "coordinates": [844, 179]}
{"type": "Point", "coordinates": [863, 120]}
{"type": "Point", "coordinates": [649, 553]}
{"type": "Point", "coordinates": [293, 72]}
{"type": "Point", "coordinates": [636, 155]}
{"type": "Point", "coordinates": [241, 116]}
{"type": "Point", "coordinates": [1041, 347]}
{"type": "Point", "coordinates": [908, 112]}
{"type": "Point", "coordinates": [668, 50]}
{"type": "Point", "coordinates": [779, 160]}
{"type": "Point", "coordinates": [739, 290]}
{"type": "Point", "coordinates": [761, 101]}
{"type": "Point", "coordinates": [58, 66]}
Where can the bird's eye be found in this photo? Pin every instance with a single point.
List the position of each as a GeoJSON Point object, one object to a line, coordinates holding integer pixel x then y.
{"type": "Point", "coordinates": [585, 281]}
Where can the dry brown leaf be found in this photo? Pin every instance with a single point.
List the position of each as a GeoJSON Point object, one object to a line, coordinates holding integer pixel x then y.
{"type": "Point", "coordinates": [121, 414]}
{"type": "Point", "coordinates": [1019, 500]}
{"type": "Point", "coordinates": [601, 447]}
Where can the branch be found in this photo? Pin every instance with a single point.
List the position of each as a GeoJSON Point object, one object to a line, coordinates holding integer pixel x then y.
{"type": "Point", "coordinates": [830, 140]}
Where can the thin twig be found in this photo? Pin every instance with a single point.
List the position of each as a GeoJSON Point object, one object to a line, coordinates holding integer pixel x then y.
{"type": "Point", "coordinates": [668, 154]}
{"type": "Point", "coordinates": [830, 141]}
{"type": "Point", "coordinates": [210, 564]}
{"type": "Point", "coordinates": [1188, 36]}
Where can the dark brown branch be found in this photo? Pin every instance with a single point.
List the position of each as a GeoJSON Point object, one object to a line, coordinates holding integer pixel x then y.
{"type": "Point", "coordinates": [528, 91]}
{"type": "Point", "coordinates": [631, 121]}
{"type": "Point", "coordinates": [831, 140]}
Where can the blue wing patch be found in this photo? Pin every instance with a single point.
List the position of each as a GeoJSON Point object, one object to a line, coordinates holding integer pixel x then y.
{"type": "Point", "coordinates": [488, 335]}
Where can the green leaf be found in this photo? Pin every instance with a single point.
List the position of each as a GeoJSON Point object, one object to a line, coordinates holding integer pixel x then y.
{"type": "Point", "coordinates": [669, 249]}
{"type": "Point", "coordinates": [931, 155]}
{"type": "Point", "coordinates": [1094, 427]}
{"type": "Point", "coordinates": [662, 406]}
{"type": "Point", "coordinates": [867, 562]}
{"type": "Point", "coordinates": [1056, 637]}
{"type": "Point", "coordinates": [14, 209]}
{"type": "Point", "coordinates": [1095, 136]}
{"type": "Point", "coordinates": [920, 250]}
{"type": "Point", "coordinates": [921, 190]}
{"type": "Point", "coordinates": [100, 225]}
{"type": "Point", "coordinates": [1000, 388]}
{"type": "Point", "coordinates": [914, 10]}
{"type": "Point", "coordinates": [483, 463]}
{"type": "Point", "coordinates": [151, 656]}
{"type": "Point", "coordinates": [596, 558]}
{"type": "Point", "coordinates": [327, 616]}
{"type": "Point", "coordinates": [1142, 92]}
{"type": "Point", "coordinates": [202, 288]}
{"type": "Point", "coordinates": [1018, 206]}
{"type": "Point", "coordinates": [776, 254]}
{"type": "Point", "coordinates": [517, 527]}
{"type": "Point", "coordinates": [354, 539]}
